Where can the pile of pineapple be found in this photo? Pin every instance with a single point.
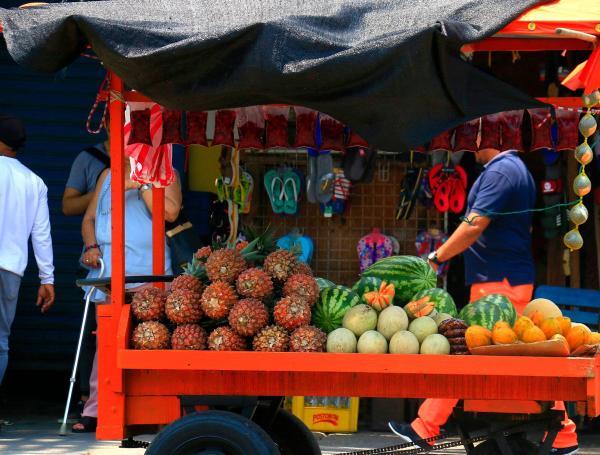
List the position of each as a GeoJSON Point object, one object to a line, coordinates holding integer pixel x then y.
{"type": "Point", "coordinates": [225, 302]}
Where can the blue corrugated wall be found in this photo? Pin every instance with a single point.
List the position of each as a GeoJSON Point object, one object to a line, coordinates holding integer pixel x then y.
{"type": "Point", "coordinates": [54, 109]}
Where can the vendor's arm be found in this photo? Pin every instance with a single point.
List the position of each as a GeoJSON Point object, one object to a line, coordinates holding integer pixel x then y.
{"type": "Point", "coordinates": [173, 199]}
{"type": "Point", "coordinates": [88, 227]}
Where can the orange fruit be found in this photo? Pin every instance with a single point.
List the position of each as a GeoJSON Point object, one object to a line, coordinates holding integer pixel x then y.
{"type": "Point", "coordinates": [533, 334]}
{"type": "Point", "coordinates": [577, 336]}
{"type": "Point", "coordinates": [594, 338]}
{"type": "Point", "coordinates": [537, 317]}
{"type": "Point", "coordinates": [565, 324]}
{"type": "Point", "coordinates": [477, 335]}
{"type": "Point", "coordinates": [504, 335]}
{"type": "Point", "coordinates": [560, 337]}
{"type": "Point", "coordinates": [522, 324]}
{"type": "Point", "coordinates": [550, 327]}
{"type": "Point", "coordinates": [501, 325]}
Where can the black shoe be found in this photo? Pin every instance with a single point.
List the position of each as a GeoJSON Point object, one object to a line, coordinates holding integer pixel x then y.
{"type": "Point", "coordinates": [566, 451]}
{"type": "Point", "coordinates": [406, 432]}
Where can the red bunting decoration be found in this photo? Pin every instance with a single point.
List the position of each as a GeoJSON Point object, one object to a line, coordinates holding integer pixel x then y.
{"type": "Point", "coordinates": [196, 128]}
{"type": "Point", "coordinates": [332, 134]}
{"type": "Point", "coordinates": [140, 127]}
{"type": "Point", "coordinates": [306, 128]}
{"type": "Point", "coordinates": [541, 129]}
{"type": "Point", "coordinates": [224, 123]}
{"type": "Point", "coordinates": [171, 130]}
{"type": "Point", "coordinates": [510, 125]}
{"type": "Point", "coordinates": [490, 132]}
{"type": "Point", "coordinates": [465, 136]}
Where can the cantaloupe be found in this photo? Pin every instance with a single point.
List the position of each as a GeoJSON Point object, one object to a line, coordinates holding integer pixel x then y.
{"type": "Point", "coordinates": [359, 319]}
{"type": "Point", "coordinates": [404, 342]}
{"type": "Point", "coordinates": [435, 344]}
{"type": "Point", "coordinates": [423, 327]}
{"type": "Point", "coordinates": [372, 342]}
{"type": "Point", "coordinates": [391, 320]}
{"type": "Point", "coordinates": [341, 340]}
{"type": "Point", "coordinates": [546, 307]}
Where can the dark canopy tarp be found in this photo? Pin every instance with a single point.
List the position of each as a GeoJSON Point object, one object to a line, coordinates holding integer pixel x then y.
{"type": "Point", "coordinates": [390, 69]}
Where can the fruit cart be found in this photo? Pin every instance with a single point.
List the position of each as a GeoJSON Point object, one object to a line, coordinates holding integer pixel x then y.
{"type": "Point", "coordinates": [158, 387]}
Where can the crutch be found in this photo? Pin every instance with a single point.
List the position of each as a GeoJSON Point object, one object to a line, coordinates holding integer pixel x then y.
{"type": "Point", "coordinates": [88, 297]}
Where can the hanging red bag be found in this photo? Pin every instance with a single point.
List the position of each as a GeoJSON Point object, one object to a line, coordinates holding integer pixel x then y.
{"type": "Point", "coordinates": [490, 132]}
{"type": "Point", "coordinates": [224, 123]}
{"type": "Point", "coordinates": [251, 127]}
{"type": "Point", "coordinates": [541, 129]}
{"type": "Point", "coordinates": [465, 136]}
{"type": "Point", "coordinates": [171, 129]}
{"type": "Point", "coordinates": [510, 125]}
{"type": "Point", "coordinates": [276, 134]}
{"type": "Point", "coordinates": [441, 142]}
{"type": "Point", "coordinates": [196, 128]}
{"type": "Point", "coordinates": [140, 127]}
{"type": "Point", "coordinates": [568, 129]}
{"type": "Point", "coordinates": [332, 133]}
{"type": "Point", "coordinates": [306, 128]}
{"type": "Point", "coordinates": [355, 140]}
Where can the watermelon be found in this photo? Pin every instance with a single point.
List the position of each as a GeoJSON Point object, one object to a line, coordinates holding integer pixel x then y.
{"type": "Point", "coordinates": [367, 284]}
{"type": "Point", "coordinates": [442, 300]}
{"type": "Point", "coordinates": [333, 303]}
{"type": "Point", "coordinates": [408, 274]}
{"type": "Point", "coordinates": [488, 310]}
{"type": "Point", "coordinates": [323, 283]}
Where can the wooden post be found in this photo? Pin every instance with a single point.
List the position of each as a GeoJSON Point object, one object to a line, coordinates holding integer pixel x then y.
{"type": "Point", "coordinates": [111, 399]}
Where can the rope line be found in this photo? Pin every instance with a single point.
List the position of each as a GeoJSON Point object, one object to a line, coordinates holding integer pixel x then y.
{"type": "Point", "coordinates": [518, 212]}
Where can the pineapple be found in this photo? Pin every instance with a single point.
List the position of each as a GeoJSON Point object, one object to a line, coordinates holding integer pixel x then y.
{"type": "Point", "coordinates": [248, 316]}
{"type": "Point", "coordinates": [302, 286]}
{"type": "Point", "coordinates": [188, 336]}
{"type": "Point", "coordinates": [191, 279]}
{"type": "Point", "coordinates": [150, 335]}
{"type": "Point", "coordinates": [148, 304]}
{"type": "Point", "coordinates": [217, 300]}
{"type": "Point", "coordinates": [308, 339]}
{"type": "Point", "coordinates": [225, 265]}
{"type": "Point", "coordinates": [280, 264]}
{"type": "Point", "coordinates": [254, 283]}
{"type": "Point", "coordinates": [291, 313]}
{"type": "Point", "coordinates": [225, 339]}
{"type": "Point", "coordinates": [302, 269]}
{"type": "Point", "coordinates": [183, 307]}
{"type": "Point", "coordinates": [272, 339]}
{"type": "Point", "coordinates": [203, 253]}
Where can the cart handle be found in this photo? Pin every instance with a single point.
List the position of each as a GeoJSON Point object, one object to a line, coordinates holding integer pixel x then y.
{"type": "Point", "coordinates": [103, 284]}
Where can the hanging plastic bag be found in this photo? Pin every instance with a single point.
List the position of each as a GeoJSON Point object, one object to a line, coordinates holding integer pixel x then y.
{"type": "Point", "coordinates": [490, 132]}
{"type": "Point", "coordinates": [251, 127]}
{"type": "Point", "coordinates": [171, 130]}
{"type": "Point", "coordinates": [510, 125]}
{"type": "Point", "coordinates": [441, 142]}
{"type": "Point", "coordinates": [224, 123]}
{"type": "Point", "coordinates": [196, 128]}
{"type": "Point", "coordinates": [306, 128]}
{"type": "Point", "coordinates": [332, 133]}
{"type": "Point", "coordinates": [568, 129]}
{"type": "Point", "coordinates": [541, 129]}
{"type": "Point", "coordinates": [465, 136]}
{"type": "Point", "coordinates": [276, 135]}
{"type": "Point", "coordinates": [140, 127]}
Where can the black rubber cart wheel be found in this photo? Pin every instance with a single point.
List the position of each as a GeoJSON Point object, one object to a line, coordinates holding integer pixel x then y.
{"type": "Point", "coordinates": [290, 434]}
{"type": "Point", "coordinates": [212, 433]}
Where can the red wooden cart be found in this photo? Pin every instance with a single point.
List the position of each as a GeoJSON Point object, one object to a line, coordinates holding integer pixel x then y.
{"type": "Point", "coordinates": [146, 387]}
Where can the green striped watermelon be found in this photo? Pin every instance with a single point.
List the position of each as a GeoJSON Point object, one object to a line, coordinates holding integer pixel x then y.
{"type": "Point", "coordinates": [366, 284]}
{"type": "Point", "coordinates": [505, 305]}
{"type": "Point", "coordinates": [442, 300]}
{"type": "Point", "coordinates": [488, 310]}
{"type": "Point", "coordinates": [323, 283]}
{"type": "Point", "coordinates": [332, 306]}
{"type": "Point", "coordinates": [408, 274]}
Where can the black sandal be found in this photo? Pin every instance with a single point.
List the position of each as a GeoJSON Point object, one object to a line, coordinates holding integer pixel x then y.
{"type": "Point", "coordinates": [89, 425]}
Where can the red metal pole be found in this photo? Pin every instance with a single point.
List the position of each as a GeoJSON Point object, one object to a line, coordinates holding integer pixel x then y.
{"type": "Point", "coordinates": [158, 231]}
{"type": "Point", "coordinates": [111, 400]}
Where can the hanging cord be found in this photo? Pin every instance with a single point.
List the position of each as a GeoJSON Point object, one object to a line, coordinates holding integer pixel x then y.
{"type": "Point", "coordinates": [518, 212]}
{"type": "Point", "coordinates": [101, 97]}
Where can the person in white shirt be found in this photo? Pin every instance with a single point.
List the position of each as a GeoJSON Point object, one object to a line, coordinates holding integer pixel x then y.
{"type": "Point", "coordinates": [23, 213]}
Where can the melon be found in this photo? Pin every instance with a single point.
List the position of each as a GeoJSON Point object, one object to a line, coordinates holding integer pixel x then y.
{"type": "Point", "coordinates": [408, 274]}
{"type": "Point", "coordinates": [441, 299]}
{"type": "Point", "coordinates": [323, 283]}
{"type": "Point", "coordinates": [333, 304]}
{"type": "Point", "coordinates": [404, 342]}
{"type": "Point", "coordinates": [372, 342]}
{"type": "Point", "coordinates": [441, 317]}
{"type": "Point", "coordinates": [488, 310]}
{"type": "Point", "coordinates": [423, 327]}
{"type": "Point", "coordinates": [360, 319]}
{"type": "Point", "coordinates": [435, 344]}
{"type": "Point", "coordinates": [546, 307]}
{"type": "Point", "coordinates": [391, 320]}
{"type": "Point", "coordinates": [366, 284]}
{"type": "Point", "coordinates": [341, 340]}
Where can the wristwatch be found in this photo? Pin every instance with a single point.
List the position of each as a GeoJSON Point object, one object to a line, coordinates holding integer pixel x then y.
{"type": "Point", "coordinates": [433, 258]}
{"type": "Point", "coordinates": [145, 187]}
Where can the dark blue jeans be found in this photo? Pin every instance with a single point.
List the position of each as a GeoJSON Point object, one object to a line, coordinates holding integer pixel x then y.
{"type": "Point", "coordinates": [9, 294]}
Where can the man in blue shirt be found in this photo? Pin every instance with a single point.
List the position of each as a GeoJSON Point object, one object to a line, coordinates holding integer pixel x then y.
{"type": "Point", "coordinates": [498, 259]}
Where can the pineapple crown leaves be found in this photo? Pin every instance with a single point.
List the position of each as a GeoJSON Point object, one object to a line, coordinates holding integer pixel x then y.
{"type": "Point", "coordinates": [195, 268]}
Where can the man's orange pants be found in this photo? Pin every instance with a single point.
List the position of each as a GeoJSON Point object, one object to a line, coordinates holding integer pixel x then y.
{"type": "Point", "coordinates": [434, 413]}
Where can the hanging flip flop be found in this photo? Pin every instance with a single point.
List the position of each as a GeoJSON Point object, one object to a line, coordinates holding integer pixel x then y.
{"type": "Point", "coordinates": [290, 192]}
{"type": "Point", "coordinates": [325, 178]}
{"type": "Point", "coordinates": [274, 187]}
{"type": "Point", "coordinates": [441, 198]}
{"type": "Point", "coordinates": [408, 194]}
{"type": "Point", "coordinates": [311, 178]}
{"type": "Point", "coordinates": [458, 195]}
{"type": "Point", "coordinates": [435, 176]}
{"type": "Point", "coordinates": [242, 195]}
{"type": "Point", "coordinates": [355, 163]}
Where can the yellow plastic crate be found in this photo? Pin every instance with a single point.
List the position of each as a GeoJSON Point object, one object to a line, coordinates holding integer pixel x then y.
{"type": "Point", "coordinates": [327, 414]}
